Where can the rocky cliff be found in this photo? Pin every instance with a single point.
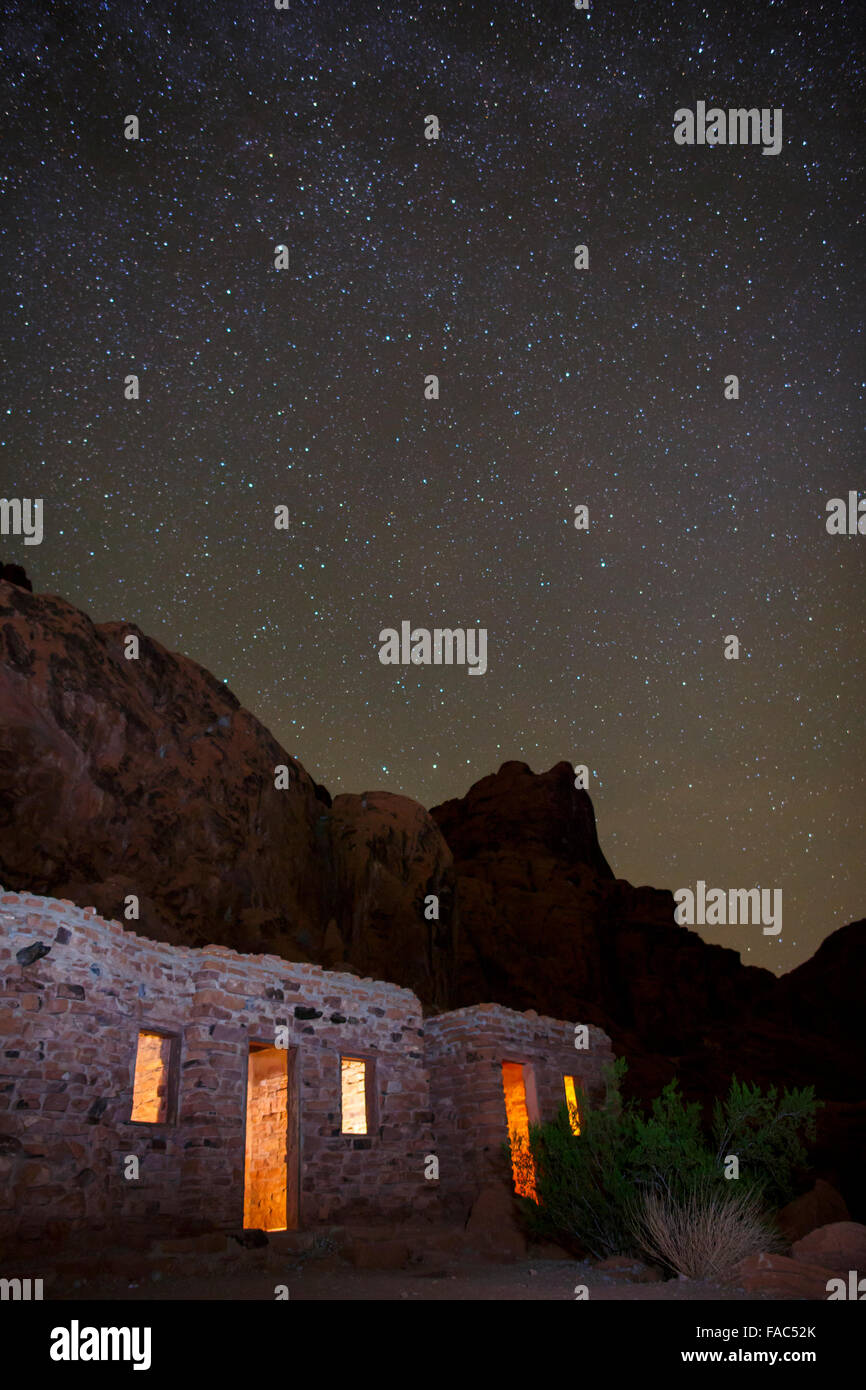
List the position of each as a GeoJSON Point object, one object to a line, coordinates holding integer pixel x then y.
{"type": "Point", "coordinates": [145, 777]}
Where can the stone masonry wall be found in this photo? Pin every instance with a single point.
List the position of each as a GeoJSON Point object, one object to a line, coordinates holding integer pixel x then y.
{"type": "Point", "coordinates": [71, 1009]}
{"type": "Point", "coordinates": [465, 1051]}
{"type": "Point", "coordinates": [69, 1022]}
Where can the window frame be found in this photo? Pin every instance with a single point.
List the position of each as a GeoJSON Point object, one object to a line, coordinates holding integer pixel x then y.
{"type": "Point", "coordinates": [371, 1105]}
{"type": "Point", "coordinates": [175, 1038]}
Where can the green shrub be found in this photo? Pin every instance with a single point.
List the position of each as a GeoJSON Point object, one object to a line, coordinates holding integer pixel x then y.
{"type": "Point", "coordinates": [764, 1133]}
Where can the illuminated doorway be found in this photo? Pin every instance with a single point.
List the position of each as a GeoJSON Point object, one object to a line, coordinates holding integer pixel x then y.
{"type": "Point", "coordinates": [517, 1109]}
{"type": "Point", "coordinates": [271, 1142]}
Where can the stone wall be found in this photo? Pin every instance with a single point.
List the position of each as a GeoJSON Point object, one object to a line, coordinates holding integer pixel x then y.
{"type": "Point", "coordinates": [69, 1023]}
{"type": "Point", "coordinates": [465, 1051]}
{"type": "Point", "coordinates": [76, 991]}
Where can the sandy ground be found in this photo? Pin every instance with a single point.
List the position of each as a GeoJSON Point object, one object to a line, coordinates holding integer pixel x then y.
{"type": "Point", "coordinates": [332, 1280]}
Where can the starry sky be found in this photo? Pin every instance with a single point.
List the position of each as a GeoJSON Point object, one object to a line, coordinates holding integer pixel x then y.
{"type": "Point", "coordinates": [558, 387]}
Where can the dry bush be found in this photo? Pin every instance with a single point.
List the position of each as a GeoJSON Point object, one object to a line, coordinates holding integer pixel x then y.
{"type": "Point", "coordinates": [705, 1233]}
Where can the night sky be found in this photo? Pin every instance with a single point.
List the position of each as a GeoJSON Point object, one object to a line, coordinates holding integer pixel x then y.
{"type": "Point", "coordinates": [558, 387]}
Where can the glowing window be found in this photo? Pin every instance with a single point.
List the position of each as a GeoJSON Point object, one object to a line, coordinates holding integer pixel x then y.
{"type": "Point", "coordinates": [354, 1095]}
{"type": "Point", "coordinates": [571, 1102]}
{"type": "Point", "coordinates": [517, 1113]}
{"type": "Point", "coordinates": [150, 1091]}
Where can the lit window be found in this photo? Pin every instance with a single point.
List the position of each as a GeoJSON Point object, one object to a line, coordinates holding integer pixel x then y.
{"type": "Point", "coordinates": [150, 1091]}
{"type": "Point", "coordinates": [571, 1102]}
{"type": "Point", "coordinates": [354, 1095]}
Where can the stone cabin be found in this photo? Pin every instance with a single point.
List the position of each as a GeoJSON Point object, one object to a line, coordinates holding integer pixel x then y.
{"type": "Point", "coordinates": [149, 1090]}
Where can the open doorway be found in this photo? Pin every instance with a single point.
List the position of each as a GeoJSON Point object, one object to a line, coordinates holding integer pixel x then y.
{"type": "Point", "coordinates": [271, 1143]}
{"type": "Point", "coordinates": [518, 1083]}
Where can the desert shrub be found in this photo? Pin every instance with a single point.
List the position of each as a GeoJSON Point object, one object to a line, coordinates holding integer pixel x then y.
{"type": "Point", "coordinates": [592, 1188]}
{"type": "Point", "coordinates": [669, 1151]}
{"type": "Point", "coordinates": [705, 1232]}
{"type": "Point", "coordinates": [765, 1133]}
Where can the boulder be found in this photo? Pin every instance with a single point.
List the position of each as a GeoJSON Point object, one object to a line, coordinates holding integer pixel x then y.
{"type": "Point", "coordinates": [493, 1227]}
{"type": "Point", "coordinates": [779, 1276]}
{"type": "Point", "coordinates": [820, 1206]}
{"type": "Point", "coordinates": [841, 1246]}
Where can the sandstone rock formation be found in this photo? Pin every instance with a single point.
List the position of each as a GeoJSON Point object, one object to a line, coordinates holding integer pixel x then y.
{"type": "Point", "coordinates": [15, 574]}
{"type": "Point", "coordinates": [385, 856]}
{"type": "Point", "coordinates": [146, 777]}
{"type": "Point", "coordinates": [542, 919]}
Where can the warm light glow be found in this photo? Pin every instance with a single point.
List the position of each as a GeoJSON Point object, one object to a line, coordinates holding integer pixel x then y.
{"type": "Point", "coordinates": [150, 1087]}
{"type": "Point", "coordinates": [354, 1095]}
{"type": "Point", "coordinates": [522, 1165]}
{"type": "Point", "coordinates": [571, 1102]}
{"type": "Point", "coordinates": [265, 1171]}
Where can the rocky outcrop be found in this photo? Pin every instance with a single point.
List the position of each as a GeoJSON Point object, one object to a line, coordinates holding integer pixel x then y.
{"type": "Point", "coordinates": [144, 776]}
{"type": "Point", "coordinates": [542, 921]}
{"type": "Point", "coordinates": [15, 574]}
{"type": "Point", "coordinates": [386, 861]}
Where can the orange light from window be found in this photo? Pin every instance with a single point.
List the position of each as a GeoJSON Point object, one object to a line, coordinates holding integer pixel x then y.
{"type": "Point", "coordinates": [354, 1097]}
{"type": "Point", "coordinates": [265, 1175]}
{"type": "Point", "coordinates": [150, 1087]}
{"type": "Point", "coordinates": [571, 1102]}
{"type": "Point", "coordinates": [522, 1165]}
